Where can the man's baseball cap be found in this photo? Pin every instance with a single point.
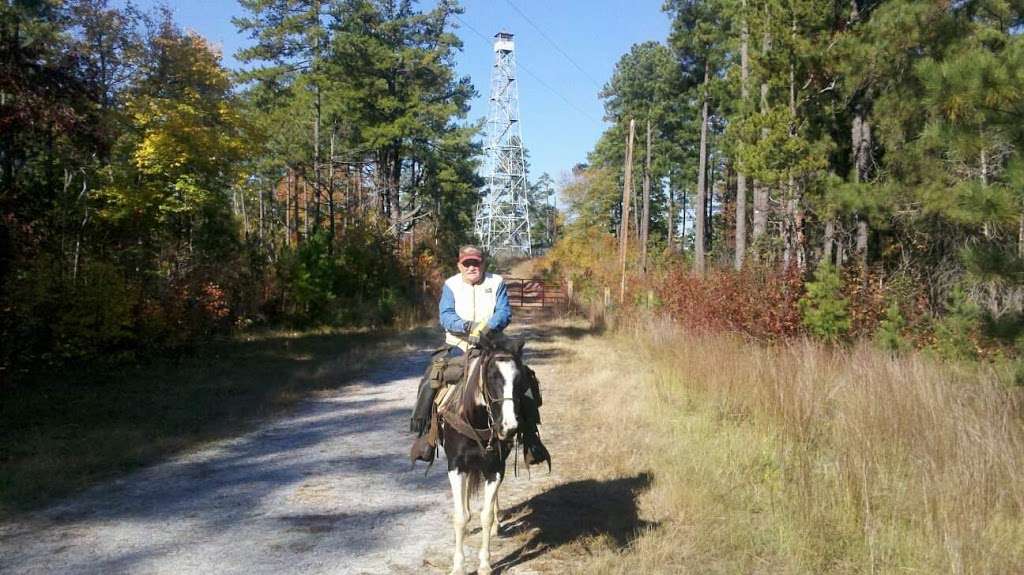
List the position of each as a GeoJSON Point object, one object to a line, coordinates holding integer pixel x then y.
{"type": "Point", "coordinates": [470, 253]}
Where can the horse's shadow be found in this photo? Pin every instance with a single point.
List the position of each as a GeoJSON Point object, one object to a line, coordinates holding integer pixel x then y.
{"type": "Point", "coordinates": [574, 510]}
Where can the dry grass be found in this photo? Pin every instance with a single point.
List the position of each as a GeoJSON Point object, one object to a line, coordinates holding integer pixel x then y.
{"type": "Point", "coordinates": [800, 459]}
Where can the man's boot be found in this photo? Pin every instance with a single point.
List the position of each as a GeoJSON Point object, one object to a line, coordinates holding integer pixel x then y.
{"type": "Point", "coordinates": [422, 450]}
{"type": "Point", "coordinates": [534, 451]}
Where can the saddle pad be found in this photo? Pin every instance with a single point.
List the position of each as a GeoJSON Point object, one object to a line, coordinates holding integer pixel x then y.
{"type": "Point", "coordinates": [442, 395]}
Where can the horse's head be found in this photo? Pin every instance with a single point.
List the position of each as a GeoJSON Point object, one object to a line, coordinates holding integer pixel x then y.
{"type": "Point", "coordinates": [503, 385]}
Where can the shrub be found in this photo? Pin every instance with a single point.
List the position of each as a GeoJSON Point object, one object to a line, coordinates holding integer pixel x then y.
{"type": "Point", "coordinates": [757, 303]}
{"type": "Point", "coordinates": [957, 332]}
{"type": "Point", "coordinates": [53, 316]}
{"type": "Point", "coordinates": [890, 331]}
{"type": "Point", "coordinates": [824, 309]}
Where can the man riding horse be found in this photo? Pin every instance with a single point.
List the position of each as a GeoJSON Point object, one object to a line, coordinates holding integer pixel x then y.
{"type": "Point", "coordinates": [473, 307]}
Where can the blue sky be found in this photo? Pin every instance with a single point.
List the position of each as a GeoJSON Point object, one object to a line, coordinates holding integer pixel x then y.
{"type": "Point", "coordinates": [560, 112]}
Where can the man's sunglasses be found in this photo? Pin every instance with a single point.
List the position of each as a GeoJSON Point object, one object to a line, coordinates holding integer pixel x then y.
{"type": "Point", "coordinates": [471, 263]}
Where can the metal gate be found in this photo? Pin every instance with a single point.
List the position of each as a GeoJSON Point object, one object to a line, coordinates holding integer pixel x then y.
{"type": "Point", "coordinates": [524, 293]}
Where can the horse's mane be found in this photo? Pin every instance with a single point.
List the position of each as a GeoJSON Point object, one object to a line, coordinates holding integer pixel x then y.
{"type": "Point", "coordinates": [501, 343]}
{"type": "Point", "coordinates": [479, 367]}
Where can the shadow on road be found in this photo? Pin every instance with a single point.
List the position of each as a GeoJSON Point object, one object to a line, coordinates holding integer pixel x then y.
{"type": "Point", "coordinates": [575, 510]}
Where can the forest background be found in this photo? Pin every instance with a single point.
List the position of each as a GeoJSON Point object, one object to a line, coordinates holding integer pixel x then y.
{"type": "Point", "coordinates": [844, 170]}
{"type": "Point", "coordinates": [152, 199]}
{"type": "Point", "coordinates": [839, 169]}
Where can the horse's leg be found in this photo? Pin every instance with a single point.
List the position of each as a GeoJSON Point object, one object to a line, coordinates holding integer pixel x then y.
{"type": "Point", "coordinates": [460, 516]}
{"type": "Point", "coordinates": [487, 521]}
{"type": "Point", "coordinates": [495, 527]}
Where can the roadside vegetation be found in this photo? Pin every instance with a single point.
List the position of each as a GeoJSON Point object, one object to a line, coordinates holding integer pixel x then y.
{"type": "Point", "coordinates": [796, 457]}
{"type": "Point", "coordinates": [63, 430]}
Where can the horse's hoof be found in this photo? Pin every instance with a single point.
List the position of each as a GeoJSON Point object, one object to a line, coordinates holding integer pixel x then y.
{"type": "Point", "coordinates": [484, 569]}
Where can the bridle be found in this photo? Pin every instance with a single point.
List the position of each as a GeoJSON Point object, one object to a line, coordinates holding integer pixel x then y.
{"type": "Point", "coordinates": [486, 361]}
{"type": "Point", "coordinates": [479, 371]}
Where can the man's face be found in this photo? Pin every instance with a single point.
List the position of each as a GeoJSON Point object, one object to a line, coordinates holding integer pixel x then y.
{"type": "Point", "coordinates": [472, 270]}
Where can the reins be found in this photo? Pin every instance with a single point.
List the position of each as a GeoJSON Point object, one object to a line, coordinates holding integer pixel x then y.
{"type": "Point", "coordinates": [485, 438]}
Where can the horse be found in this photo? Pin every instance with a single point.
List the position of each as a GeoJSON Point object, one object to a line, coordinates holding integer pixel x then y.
{"type": "Point", "coordinates": [488, 401]}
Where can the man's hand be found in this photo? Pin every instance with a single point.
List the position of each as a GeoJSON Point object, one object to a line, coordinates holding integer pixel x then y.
{"type": "Point", "coordinates": [481, 331]}
{"type": "Point", "coordinates": [475, 331]}
{"type": "Point", "coordinates": [478, 328]}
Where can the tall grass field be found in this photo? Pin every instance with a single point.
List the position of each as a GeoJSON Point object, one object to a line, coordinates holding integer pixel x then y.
{"type": "Point", "coordinates": [798, 458]}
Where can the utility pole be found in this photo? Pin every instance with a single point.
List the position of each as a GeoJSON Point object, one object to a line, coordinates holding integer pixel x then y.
{"type": "Point", "coordinates": [627, 194]}
{"type": "Point", "coordinates": [645, 222]}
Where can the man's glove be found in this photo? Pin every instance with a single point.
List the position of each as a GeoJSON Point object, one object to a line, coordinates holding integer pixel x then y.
{"type": "Point", "coordinates": [478, 328]}
{"type": "Point", "coordinates": [480, 332]}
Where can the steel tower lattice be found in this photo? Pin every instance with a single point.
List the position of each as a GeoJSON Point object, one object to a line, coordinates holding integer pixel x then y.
{"type": "Point", "coordinates": [502, 222]}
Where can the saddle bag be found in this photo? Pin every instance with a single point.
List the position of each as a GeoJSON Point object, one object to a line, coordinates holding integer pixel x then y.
{"type": "Point", "coordinates": [444, 369]}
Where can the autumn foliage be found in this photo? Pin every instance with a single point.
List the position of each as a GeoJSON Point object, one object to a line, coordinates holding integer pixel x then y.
{"type": "Point", "coordinates": [759, 304]}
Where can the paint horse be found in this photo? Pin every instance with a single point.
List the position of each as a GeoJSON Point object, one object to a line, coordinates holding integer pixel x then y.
{"type": "Point", "coordinates": [478, 426]}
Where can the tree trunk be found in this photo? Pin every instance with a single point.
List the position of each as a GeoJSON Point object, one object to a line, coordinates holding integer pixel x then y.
{"type": "Point", "coordinates": [305, 208]}
{"type": "Point", "coordinates": [295, 207]}
{"type": "Point", "coordinates": [795, 212]}
{"type": "Point", "coordinates": [829, 241]}
{"type": "Point", "coordinates": [698, 234]}
{"type": "Point", "coordinates": [245, 215]}
{"type": "Point", "coordinates": [330, 193]}
{"type": "Point", "coordinates": [861, 141]}
{"type": "Point", "coordinates": [861, 134]}
{"type": "Point", "coordinates": [317, 187]}
{"type": "Point", "coordinates": [671, 243]}
{"type": "Point", "coordinates": [391, 168]}
{"type": "Point", "coordinates": [317, 111]}
{"type": "Point", "coordinates": [761, 192]}
{"type": "Point", "coordinates": [682, 223]}
{"type": "Point", "coordinates": [741, 178]}
{"type": "Point", "coordinates": [1020, 236]}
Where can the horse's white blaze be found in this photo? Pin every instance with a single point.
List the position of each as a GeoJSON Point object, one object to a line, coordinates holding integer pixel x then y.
{"type": "Point", "coordinates": [508, 409]}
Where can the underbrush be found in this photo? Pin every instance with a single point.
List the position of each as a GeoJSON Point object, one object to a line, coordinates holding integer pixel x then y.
{"type": "Point", "coordinates": [114, 311]}
{"type": "Point", "coordinates": [895, 308]}
{"type": "Point", "coordinates": [799, 458]}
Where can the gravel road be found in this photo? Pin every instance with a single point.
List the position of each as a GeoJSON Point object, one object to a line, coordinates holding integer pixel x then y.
{"type": "Point", "coordinates": [326, 489]}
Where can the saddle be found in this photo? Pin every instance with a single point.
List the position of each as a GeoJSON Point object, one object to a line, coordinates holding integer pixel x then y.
{"type": "Point", "coordinates": [446, 370]}
{"type": "Point", "coordinates": [449, 400]}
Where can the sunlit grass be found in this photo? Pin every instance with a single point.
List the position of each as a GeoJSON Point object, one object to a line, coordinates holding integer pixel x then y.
{"type": "Point", "coordinates": [797, 458]}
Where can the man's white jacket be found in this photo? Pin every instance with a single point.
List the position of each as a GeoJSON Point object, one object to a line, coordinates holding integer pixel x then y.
{"type": "Point", "coordinates": [461, 302]}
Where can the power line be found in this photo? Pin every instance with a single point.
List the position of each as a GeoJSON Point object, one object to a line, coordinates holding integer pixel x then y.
{"type": "Point", "coordinates": [555, 44]}
{"type": "Point", "coordinates": [534, 76]}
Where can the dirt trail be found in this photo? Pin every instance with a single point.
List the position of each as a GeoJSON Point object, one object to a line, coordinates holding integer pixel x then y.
{"type": "Point", "coordinates": [326, 489]}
